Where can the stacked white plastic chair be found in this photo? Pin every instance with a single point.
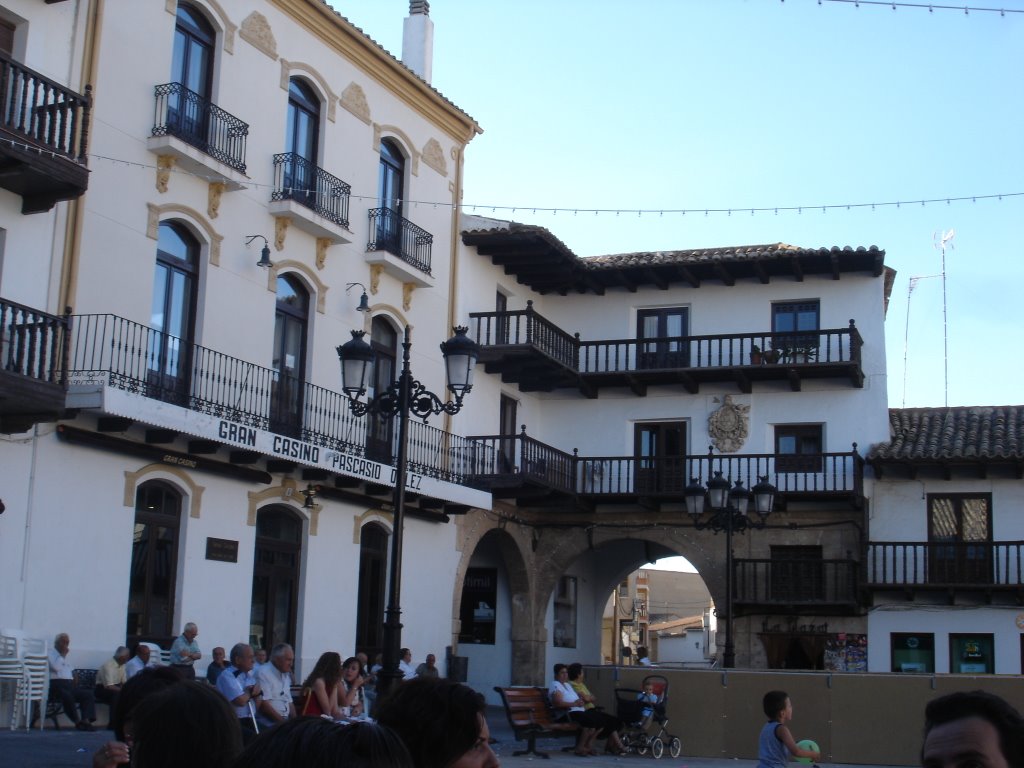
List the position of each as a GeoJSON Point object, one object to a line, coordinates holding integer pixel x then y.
{"type": "Point", "coordinates": [37, 679]}
{"type": "Point", "coordinates": [12, 675]}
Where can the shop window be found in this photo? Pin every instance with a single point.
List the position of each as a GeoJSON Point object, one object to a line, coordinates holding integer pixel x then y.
{"type": "Point", "coordinates": [478, 609]}
{"type": "Point", "coordinates": [913, 652]}
{"type": "Point", "coordinates": [565, 613]}
{"type": "Point", "coordinates": [972, 654]}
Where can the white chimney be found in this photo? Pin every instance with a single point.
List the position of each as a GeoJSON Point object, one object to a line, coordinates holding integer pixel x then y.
{"type": "Point", "coordinates": [418, 39]}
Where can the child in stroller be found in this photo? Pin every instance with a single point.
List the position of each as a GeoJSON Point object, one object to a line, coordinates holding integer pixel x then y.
{"type": "Point", "coordinates": [638, 709]}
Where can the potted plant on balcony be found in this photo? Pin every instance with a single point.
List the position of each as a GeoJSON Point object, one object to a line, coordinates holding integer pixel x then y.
{"type": "Point", "coordinates": [771, 357]}
{"type": "Point", "coordinates": [755, 355]}
{"type": "Point", "coordinates": [799, 355]}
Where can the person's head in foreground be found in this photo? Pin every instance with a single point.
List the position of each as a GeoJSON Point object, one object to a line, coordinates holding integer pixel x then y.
{"type": "Point", "coordinates": [441, 722]}
{"type": "Point", "coordinates": [188, 725]}
{"type": "Point", "coordinates": [312, 742]}
{"type": "Point", "coordinates": [972, 729]}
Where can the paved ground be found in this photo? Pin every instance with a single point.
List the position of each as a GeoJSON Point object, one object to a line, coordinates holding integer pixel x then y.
{"type": "Point", "coordinates": [68, 748]}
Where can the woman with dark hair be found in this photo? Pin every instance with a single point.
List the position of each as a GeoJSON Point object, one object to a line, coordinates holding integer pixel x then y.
{"type": "Point", "coordinates": [350, 693]}
{"type": "Point", "coordinates": [320, 691]}
{"type": "Point", "coordinates": [608, 725]}
{"type": "Point", "coordinates": [566, 701]}
{"type": "Point", "coordinates": [145, 683]}
{"type": "Point", "coordinates": [441, 722]}
{"type": "Point", "coordinates": [312, 742]}
{"type": "Point", "coordinates": [189, 724]}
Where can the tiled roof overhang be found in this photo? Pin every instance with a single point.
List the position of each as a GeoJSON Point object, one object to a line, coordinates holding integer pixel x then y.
{"type": "Point", "coordinates": [541, 261]}
{"type": "Point", "coordinates": [973, 439]}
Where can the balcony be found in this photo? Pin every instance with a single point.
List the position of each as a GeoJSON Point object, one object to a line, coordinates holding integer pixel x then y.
{"type": "Point", "coordinates": [315, 200]}
{"type": "Point", "coordinates": [400, 247]}
{"type": "Point", "coordinates": [530, 471]}
{"type": "Point", "coordinates": [977, 569]}
{"type": "Point", "coordinates": [202, 137]}
{"type": "Point", "coordinates": [44, 129]}
{"type": "Point", "coordinates": [795, 586]}
{"type": "Point", "coordinates": [32, 350]}
{"type": "Point", "coordinates": [130, 372]}
{"type": "Point", "coordinates": [531, 351]}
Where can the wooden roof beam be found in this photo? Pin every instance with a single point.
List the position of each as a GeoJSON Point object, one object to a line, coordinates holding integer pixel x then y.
{"type": "Point", "coordinates": [656, 278]}
{"type": "Point", "coordinates": [688, 276]}
{"type": "Point", "coordinates": [724, 274]}
{"type": "Point", "coordinates": [798, 270]}
{"type": "Point", "coordinates": [761, 272]}
{"type": "Point", "coordinates": [834, 259]}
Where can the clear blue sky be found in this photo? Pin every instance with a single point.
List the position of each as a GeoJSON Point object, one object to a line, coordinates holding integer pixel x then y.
{"type": "Point", "coordinates": [694, 104]}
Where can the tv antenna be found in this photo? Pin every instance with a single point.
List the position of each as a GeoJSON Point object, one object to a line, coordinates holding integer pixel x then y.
{"type": "Point", "coordinates": [942, 241]}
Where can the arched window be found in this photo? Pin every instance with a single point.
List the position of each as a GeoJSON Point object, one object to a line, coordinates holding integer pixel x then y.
{"type": "Point", "coordinates": [154, 568]}
{"type": "Point", "coordinates": [373, 559]}
{"type": "Point", "coordinates": [173, 313]}
{"type": "Point", "coordinates": [192, 70]}
{"type": "Point", "coordinates": [391, 191]}
{"type": "Point", "coordinates": [289, 363]}
{"type": "Point", "coordinates": [301, 137]}
{"type": "Point", "coordinates": [384, 341]}
{"type": "Point", "coordinates": [275, 577]}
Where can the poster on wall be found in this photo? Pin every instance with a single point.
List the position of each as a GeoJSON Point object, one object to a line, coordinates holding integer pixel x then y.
{"type": "Point", "coordinates": [846, 652]}
{"type": "Point", "coordinates": [479, 601]}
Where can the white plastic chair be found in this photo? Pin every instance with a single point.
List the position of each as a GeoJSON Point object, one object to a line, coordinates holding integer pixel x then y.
{"type": "Point", "coordinates": [35, 687]}
{"type": "Point", "coordinates": [12, 681]}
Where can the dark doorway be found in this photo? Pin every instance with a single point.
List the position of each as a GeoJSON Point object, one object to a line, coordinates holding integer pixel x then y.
{"type": "Point", "coordinates": [154, 567]}
{"type": "Point", "coordinates": [373, 560]}
{"type": "Point", "coordinates": [275, 577]}
{"type": "Point", "coordinates": [660, 456]}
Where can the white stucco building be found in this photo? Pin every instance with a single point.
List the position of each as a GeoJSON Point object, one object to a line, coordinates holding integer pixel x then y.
{"type": "Point", "coordinates": [186, 452]}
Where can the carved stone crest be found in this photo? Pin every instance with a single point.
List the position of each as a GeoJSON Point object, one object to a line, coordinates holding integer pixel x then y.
{"type": "Point", "coordinates": [729, 426]}
{"type": "Point", "coordinates": [353, 98]}
{"type": "Point", "coordinates": [433, 156]}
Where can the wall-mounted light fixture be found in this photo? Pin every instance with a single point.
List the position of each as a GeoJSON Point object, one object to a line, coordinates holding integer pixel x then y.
{"type": "Point", "coordinates": [310, 494]}
{"type": "Point", "coordinates": [264, 261]}
{"type": "Point", "coordinates": [364, 300]}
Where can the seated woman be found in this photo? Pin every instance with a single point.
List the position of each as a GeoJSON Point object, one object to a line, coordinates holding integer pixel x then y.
{"type": "Point", "coordinates": [320, 691]}
{"type": "Point", "coordinates": [564, 699]}
{"type": "Point", "coordinates": [441, 722]}
{"type": "Point", "coordinates": [350, 694]}
{"type": "Point", "coordinates": [610, 725]}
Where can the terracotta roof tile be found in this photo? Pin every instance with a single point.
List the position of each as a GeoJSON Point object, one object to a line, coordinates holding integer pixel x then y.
{"type": "Point", "coordinates": [970, 432]}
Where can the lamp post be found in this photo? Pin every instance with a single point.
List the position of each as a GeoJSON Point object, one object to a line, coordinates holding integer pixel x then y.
{"type": "Point", "coordinates": [401, 398]}
{"type": "Point", "coordinates": [728, 512]}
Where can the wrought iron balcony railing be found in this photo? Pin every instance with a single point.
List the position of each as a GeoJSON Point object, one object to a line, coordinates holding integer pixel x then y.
{"type": "Point", "coordinates": [390, 232]}
{"type": "Point", "coordinates": [197, 121]}
{"type": "Point", "coordinates": [296, 178]}
{"type": "Point", "coordinates": [119, 353]}
{"type": "Point", "coordinates": [519, 458]}
{"type": "Point", "coordinates": [43, 113]}
{"type": "Point", "coordinates": [945, 565]}
{"type": "Point", "coordinates": [763, 582]}
{"type": "Point", "coordinates": [32, 343]}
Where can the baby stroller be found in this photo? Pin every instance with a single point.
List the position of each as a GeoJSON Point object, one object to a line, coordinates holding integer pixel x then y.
{"type": "Point", "coordinates": [636, 736]}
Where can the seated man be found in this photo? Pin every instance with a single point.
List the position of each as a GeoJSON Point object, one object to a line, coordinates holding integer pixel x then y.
{"type": "Point", "coordinates": [428, 668]}
{"type": "Point", "coordinates": [218, 665]}
{"type": "Point", "coordinates": [240, 687]}
{"type": "Point", "coordinates": [111, 676]}
{"type": "Point", "coordinates": [275, 681]}
{"type": "Point", "coordinates": [405, 664]}
{"type": "Point", "coordinates": [140, 661]}
{"type": "Point", "coordinates": [63, 686]}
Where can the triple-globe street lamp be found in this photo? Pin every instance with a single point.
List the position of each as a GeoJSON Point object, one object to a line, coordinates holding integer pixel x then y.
{"type": "Point", "coordinates": [400, 399]}
{"type": "Point", "coordinates": [728, 512]}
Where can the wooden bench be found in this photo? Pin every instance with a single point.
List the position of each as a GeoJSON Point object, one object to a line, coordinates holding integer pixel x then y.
{"type": "Point", "coordinates": [530, 714]}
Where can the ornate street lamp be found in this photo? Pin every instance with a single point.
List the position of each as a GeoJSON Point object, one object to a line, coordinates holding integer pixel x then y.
{"type": "Point", "coordinates": [401, 398]}
{"type": "Point", "coordinates": [728, 512]}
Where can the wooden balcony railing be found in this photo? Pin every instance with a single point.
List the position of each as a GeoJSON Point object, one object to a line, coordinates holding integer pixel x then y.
{"type": "Point", "coordinates": [523, 458]}
{"type": "Point", "coordinates": [945, 565]}
{"type": "Point", "coordinates": [396, 235]}
{"type": "Point", "coordinates": [42, 112]}
{"type": "Point", "coordinates": [198, 121]}
{"type": "Point", "coordinates": [116, 352]}
{"type": "Point", "coordinates": [526, 327]}
{"type": "Point", "coordinates": [32, 343]}
{"type": "Point", "coordinates": [795, 582]}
